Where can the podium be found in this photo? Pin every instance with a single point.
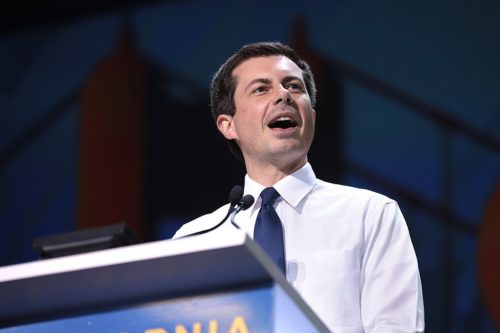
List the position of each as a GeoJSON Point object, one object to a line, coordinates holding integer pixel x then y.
{"type": "Point", "coordinates": [199, 284]}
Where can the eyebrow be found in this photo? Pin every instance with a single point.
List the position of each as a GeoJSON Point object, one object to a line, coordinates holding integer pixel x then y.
{"type": "Point", "coordinates": [286, 79]}
{"type": "Point", "coordinates": [291, 78]}
{"type": "Point", "coordinates": [258, 80]}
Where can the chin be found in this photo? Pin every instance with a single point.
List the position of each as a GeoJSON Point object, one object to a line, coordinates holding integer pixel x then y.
{"type": "Point", "coordinates": [289, 155]}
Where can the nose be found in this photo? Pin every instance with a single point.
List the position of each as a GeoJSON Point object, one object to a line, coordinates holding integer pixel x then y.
{"type": "Point", "coordinates": [283, 96]}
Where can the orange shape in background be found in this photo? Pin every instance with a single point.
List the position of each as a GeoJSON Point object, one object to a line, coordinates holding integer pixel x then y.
{"type": "Point", "coordinates": [489, 256]}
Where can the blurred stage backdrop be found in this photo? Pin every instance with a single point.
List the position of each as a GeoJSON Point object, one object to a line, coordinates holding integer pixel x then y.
{"type": "Point", "coordinates": [104, 118]}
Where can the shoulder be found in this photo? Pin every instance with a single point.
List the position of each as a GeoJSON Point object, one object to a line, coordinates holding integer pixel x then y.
{"type": "Point", "coordinates": [349, 194]}
{"type": "Point", "coordinates": [202, 222]}
{"type": "Point", "coordinates": [375, 216]}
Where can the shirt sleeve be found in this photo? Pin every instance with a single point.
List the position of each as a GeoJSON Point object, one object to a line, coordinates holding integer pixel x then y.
{"type": "Point", "coordinates": [391, 295]}
{"type": "Point", "coordinates": [202, 223]}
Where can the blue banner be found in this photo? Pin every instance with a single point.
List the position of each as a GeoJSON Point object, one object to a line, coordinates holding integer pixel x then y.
{"type": "Point", "coordinates": [248, 311]}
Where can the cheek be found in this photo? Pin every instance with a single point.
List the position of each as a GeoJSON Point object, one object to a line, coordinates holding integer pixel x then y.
{"type": "Point", "coordinates": [310, 118]}
{"type": "Point", "coordinates": [246, 119]}
{"type": "Point", "coordinates": [241, 126]}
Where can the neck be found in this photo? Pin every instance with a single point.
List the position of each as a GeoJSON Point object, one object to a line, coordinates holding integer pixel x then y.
{"type": "Point", "coordinates": [268, 174]}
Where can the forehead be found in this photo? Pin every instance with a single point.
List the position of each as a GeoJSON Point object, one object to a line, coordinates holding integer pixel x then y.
{"type": "Point", "coordinates": [266, 67]}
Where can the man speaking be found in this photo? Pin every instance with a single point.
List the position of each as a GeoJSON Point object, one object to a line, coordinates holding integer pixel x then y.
{"type": "Point", "coordinates": [347, 251]}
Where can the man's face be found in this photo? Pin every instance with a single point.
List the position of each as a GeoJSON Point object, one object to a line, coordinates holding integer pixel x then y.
{"type": "Point", "coordinates": [274, 119]}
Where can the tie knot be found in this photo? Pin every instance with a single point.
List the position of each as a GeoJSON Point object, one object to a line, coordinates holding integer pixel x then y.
{"type": "Point", "coordinates": [269, 195]}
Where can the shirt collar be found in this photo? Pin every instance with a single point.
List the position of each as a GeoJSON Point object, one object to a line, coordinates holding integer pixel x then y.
{"type": "Point", "coordinates": [293, 188]}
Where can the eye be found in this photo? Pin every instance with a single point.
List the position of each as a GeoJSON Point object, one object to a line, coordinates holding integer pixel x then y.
{"type": "Point", "coordinates": [259, 90]}
{"type": "Point", "coordinates": [294, 86]}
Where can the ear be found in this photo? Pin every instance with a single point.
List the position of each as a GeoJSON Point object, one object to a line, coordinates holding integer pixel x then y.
{"type": "Point", "coordinates": [225, 124]}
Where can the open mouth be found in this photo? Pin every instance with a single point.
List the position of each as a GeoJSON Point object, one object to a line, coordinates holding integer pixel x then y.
{"type": "Point", "coordinates": [283, 122]}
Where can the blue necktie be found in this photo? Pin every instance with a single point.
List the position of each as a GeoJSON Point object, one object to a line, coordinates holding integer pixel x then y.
{"type": "Point", "coordinates": [268, 232]}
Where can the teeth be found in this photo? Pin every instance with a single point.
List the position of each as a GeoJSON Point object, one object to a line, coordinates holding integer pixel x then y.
{"type": "Point", "coordinates": [283, 122]}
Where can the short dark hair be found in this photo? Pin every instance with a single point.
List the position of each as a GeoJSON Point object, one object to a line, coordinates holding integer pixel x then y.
{"type": "Point", "coordinates": [224, 83]}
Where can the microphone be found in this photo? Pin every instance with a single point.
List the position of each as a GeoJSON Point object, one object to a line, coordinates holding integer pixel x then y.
{"type": "Point", "coordinates": [235, 203]}
{"type": "Point", "coordinates": [235, 196]}
{"type": "Point", "coordinates": [244, 203]}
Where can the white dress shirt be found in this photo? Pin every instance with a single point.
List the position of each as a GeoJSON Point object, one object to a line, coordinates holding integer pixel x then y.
{"type": "Point", "coordinates": [348, 252]}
